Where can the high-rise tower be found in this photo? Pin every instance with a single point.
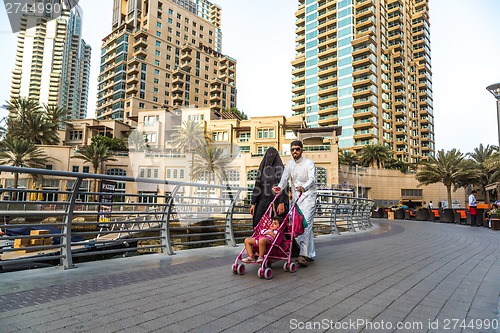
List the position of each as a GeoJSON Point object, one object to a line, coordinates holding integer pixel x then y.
{"type": "Point", "coordinates": [365, 65]}
{"type": "Point", "coordinates": [164, 53]}
{"type": "Point", "coordinates": [53, 62]}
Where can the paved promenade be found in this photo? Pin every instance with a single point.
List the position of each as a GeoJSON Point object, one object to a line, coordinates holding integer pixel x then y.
{"type": "Point", "coordinates": [400, 276]}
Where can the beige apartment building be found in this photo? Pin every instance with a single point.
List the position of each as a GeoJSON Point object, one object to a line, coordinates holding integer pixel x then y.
{"type": "Point", "coordinates": [364, 65]}
{"type": "Point", "coordinates": [245, 141]}
{"type": "Point", "coordinates": [164, 54]}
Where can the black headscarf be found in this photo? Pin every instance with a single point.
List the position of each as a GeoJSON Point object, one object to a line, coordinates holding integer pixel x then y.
{"type": "Point", "coordinates": [269, 174]}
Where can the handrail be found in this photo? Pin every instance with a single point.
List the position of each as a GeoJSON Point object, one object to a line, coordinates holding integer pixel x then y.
{"type": "Point", "coordinates": [186, 215]}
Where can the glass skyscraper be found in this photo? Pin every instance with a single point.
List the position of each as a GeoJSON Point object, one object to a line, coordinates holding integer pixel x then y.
{"type": "Point", "coordinates": [365, 65]}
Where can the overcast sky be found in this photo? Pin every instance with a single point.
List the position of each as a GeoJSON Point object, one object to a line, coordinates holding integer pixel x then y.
{"type": "Point", "coordinates": [259, 34]}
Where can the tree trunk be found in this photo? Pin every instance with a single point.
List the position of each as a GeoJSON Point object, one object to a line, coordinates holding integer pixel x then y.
{"type": "Point", "coordinates": [448, 192]}
{"type": "Point", "coordinates": [487, 194]}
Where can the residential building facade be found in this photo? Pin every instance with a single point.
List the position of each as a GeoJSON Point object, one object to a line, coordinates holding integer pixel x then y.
{"type": "Point", "coordinates": [53, 62]}
{"type": "Point", "coordinates": [244, 141]}
{"type": "Point", "coordinates": [365, 65]}
{"type": "Point", "coordinates": [164, 54]}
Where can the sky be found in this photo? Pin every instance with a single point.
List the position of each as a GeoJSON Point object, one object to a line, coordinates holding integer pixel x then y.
{"type": "Point", "coordinates": [259, 34]}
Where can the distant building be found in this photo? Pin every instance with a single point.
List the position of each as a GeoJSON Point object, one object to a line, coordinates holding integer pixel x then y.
{"type": "Point", "coordinates": [164, 54]}
{"type": "Point", "coordinates": [53, 62]}
{"type": "Point", "coordinates": [365, 65]}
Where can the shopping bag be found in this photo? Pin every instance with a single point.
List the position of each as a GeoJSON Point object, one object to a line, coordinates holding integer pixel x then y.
{"type": "Point", "coordinates": [299, 222]}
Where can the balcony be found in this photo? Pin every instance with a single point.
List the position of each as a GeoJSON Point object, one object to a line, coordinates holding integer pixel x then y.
{"type": "Point", "coordinates": [141, 42]}
{"type": "Point", "coordinates": [132, 89]}
{"type": "Point", "coordinates": [330, 120]}
{"type": "Point", "coordinates": [186, 66]}
{"type": "Point", "coordinates": [132, 79]}
{"type": "Point", "coordinates": [186, 56]}
{"type": "Point", "coordinates": [215, 97]}
{"type": "Point", "coordinates": [178, 88]}
{"type": "Point", "coordinates": [141, 52]}
{"type": "Point", "coordinates": [215, 88]}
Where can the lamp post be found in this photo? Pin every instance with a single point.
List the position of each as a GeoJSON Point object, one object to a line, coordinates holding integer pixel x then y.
{"type": "Point", "coordinates": [494, 89]}
{"type": "Point", "coordinates": [356, 164]}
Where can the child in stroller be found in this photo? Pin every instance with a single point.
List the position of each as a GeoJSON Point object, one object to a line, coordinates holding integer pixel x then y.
{"type": "Point", "coordinates": [265, 237]}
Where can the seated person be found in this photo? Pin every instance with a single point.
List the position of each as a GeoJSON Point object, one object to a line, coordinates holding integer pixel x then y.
{"type": "Point", "coordinates": [265, 237]}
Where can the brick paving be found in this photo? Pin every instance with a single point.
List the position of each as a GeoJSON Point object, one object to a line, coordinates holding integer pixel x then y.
{"type": "Point", "coordinates": [432, 277]}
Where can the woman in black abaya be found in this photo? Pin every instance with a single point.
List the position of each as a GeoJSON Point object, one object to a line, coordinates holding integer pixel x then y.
{"type": "Point", "coordinates": [269, 174]}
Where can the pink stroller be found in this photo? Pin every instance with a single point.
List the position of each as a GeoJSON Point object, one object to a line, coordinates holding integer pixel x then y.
{"type": "Point", "coordinates": [281, 246]}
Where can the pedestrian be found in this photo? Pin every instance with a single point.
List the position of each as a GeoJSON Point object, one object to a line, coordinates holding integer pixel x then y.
{"type": "Point", "coordinates": [473, 208]}
{"type": "Point", "coordinates": [265, 237]}
{"type": "Point", "coordinates": [269, 174]}
{"type": "Point", "coordinates": [301, 172]}
{"type": "Point", "coordinates": [431, 205]}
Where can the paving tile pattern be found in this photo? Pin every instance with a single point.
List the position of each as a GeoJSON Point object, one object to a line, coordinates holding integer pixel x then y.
{"type": "Point", "coordinates": [426, 277]}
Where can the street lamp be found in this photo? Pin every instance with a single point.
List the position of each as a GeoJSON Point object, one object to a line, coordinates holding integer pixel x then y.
{"type": "Point", "coordinates": [356, 164]}
{"type": "Point", "coordinates": [494, 89]}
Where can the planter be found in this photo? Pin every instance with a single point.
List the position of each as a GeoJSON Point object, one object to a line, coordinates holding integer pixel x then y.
{"type": "Point", "coordinates": [447, 215]}
{"type": "Point", "coordinates": [399, 214]}
{"type": "Point", "coordinates": [495, 223]}
{"type": "Point", "coordinates": [423, 214]}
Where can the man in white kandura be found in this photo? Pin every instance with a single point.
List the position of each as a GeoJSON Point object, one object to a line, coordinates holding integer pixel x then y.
{"type": "Point", "coordinates": [301, 172]}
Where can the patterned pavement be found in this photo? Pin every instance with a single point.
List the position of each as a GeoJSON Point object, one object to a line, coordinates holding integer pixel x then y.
{"type": "Point", "coordinates": [402, 276]}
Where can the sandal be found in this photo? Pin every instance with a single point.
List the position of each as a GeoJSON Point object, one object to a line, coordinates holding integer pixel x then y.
{"type": "Point", "coordinates": [260, 259]}
{"type": "Point", "coordinates": [302, 261]}
{"type": "Point", "coordinates": [248, 260]}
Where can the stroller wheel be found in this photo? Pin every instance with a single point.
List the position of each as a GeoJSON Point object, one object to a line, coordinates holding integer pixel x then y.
{"type": "Point", "coordinates": [268, 274]}
{"type": "Point", "coordinates": [235, 268]}
{"type": "Point", "coordinates": [286, 266]}
{"type": "Point", "coordinates": [240, 269]}
{"type": "Point", "coordinates": [268, 263]}
{"type": "Point", "coordinates": [293, 267]}
{"type": "Point", "coordinates": [260, 272]}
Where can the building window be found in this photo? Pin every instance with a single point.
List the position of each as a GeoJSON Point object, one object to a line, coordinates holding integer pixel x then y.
{"type": "Point", "coordinates": [48, 167]}
{"type": "Point", "coordinates": [266, 133]}
{"type": "Point", "coordinates": [175, 173]}
{"type": "Point", "coordinates": [321, 176]}
{"type": "Point", "coordinates": [76, 168]}
{"type": "Point", "coordinates": [262, 150]}
{"type": "Point", "coordinates": [220, 136]}
{"type": "Point", "coordinates": [244, 137]}
{"type": "Point", "coordinates": [150, 137]}
{"type": "Point", "coordinates": [252, 175]}
{"type": "Point", "coordinates": [86, 169]}
{"type": "Point", "coordinates": [76, 135]}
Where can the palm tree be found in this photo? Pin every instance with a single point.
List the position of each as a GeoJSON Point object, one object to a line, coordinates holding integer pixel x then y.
{"type": "Point", "coordinates": [28, 121]}
{"type": "Point", "coordinates": [450, 168]}
{"type": "Point", "coordinates": [137, 141]}
{"type": "Point", "coordinates": [189, 137]}
{"type": "Point", "coordinates": [374, 155]}
{"type": "Point", "coordinates": [480, 156]}
{"type": "Point", "coordinates": [210, 161]}
{"type": "Point", "coordinates": [95, 154]}
{"type": "Point", "coordinates": [347, 157]}
{"type": "Point", "coordinates": [20, 152]}
{"type": "Point", "coordinates": [3, 130]}
{"type": "Point", "coordinates": [55, 115]}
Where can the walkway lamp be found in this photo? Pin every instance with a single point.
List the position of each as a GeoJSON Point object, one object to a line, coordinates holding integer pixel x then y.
{"type": "Point", "coordinates": [494, 89]}
{"type": "Point", "coordinates": [356, 164]}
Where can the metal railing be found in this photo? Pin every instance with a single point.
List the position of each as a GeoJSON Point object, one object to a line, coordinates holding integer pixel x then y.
{"type": "Point", "coordinates": [60, 227]}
